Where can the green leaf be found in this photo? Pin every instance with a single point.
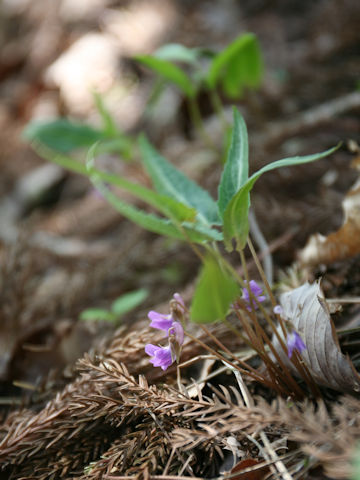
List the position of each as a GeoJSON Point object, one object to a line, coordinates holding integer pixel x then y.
{"type": "Point", "coordinates": [174, 52]}
{"type": "Point", "coordinates": [122, 145]}
{"type": "Point", "coordinates": [239, 65]}
{"type": "Point", "coordinates": [129, 301]}
{"type": "Point", "coordinates": [110, 128]}
{"type": "Point", "coordinates": [185, 231]}
{"type": "Point", "coordinates": [62, 135]}
{"type": "Point", "coordinates": [236, 223]}
{"type": "Point", "coordinates": [95, 314]}
{"type": "Point", "coordinates": [214, 292]}
{"type": "Point", "coordinates": [170, 72]}
{"type": "Point", "coordinates": [166, 205]}
{"type": "Point", "coordinates": [169, 181]}
{"type": "Point", "coordinates": [236, 170]}
{"type": "Point", "coordinates": [355, 473]}
{"type": "Point", "coordinates": [115, 140]}
{"type": "Point", "coordinates": [171, 208]}
{"type": "Point", "coordinates": [155, 224]}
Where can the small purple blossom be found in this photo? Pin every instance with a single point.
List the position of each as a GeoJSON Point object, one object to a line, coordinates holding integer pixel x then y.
{"type": "Point", "coordinates": [160, 321]}
{"type": "Point", "coordinates": [164, 356]}
{"type": "Point", "coordinates": [278, 309]}
{"type": "Point", "coordinates": [161, 356]}
{"type": "Point", "coordinates": [256, 291]}
{"type": "Point", "coordinates": [294, 342]}
{"type": "Point", "coordinates": [179, 301]}
{"type": "Point", "coordinates": [176, 331]}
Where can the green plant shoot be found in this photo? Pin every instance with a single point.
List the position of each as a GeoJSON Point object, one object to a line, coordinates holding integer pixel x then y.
{"type": "Point", "coordinates": [122, 305]}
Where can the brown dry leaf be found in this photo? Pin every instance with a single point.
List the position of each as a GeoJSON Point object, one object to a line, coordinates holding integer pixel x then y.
{"type": "Point", "coordinates": [341, 244]}
{"type": "Point", "coordinates": [243, 468]}
{"type": "Point", "coordinates": [306, 309]}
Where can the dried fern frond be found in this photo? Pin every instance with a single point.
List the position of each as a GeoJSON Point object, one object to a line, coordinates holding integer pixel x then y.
{"type": "Point", "coordinates": [328, 435]}
{"type": "Point", "coordinates": [110, 421]}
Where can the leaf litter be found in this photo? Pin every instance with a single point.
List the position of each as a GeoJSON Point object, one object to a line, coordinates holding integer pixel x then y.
{"type": "Point", "coordinates": [306, 309]}
{"type": "Point", "coordinates": [339, 245]}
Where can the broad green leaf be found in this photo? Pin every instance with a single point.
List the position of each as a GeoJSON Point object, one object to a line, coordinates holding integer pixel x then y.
{"type": "Point", "coordinates": [166, 205]}
{"type": "Point", "coordinates": [62, 135]}
{"type": "Point", "coordinates": [155, 224]}
{"type": "Point", "coordinates": [175, 52]}
{"type": "Point", "coordinates": [185, 231]}
{"type": "Point", "coordinates": [122, 145]}
{"type": "Point", "coordinates": [171, 208]}
{"type": "Point", "coordinates": [238, 65]}
{"type": "Point", "coordinates": [215, 291]}
{"type": "Point", "coordinates": [245, 70]}
{"type": "Point", "coordinates": [94, 314]}
{"type": "Point", "coordinates": [236, 223]}
{"type": "Point", "coordinates": [169, 181]}
{"type": "Point", "coordinates": [236, 170]}
{"type": "Point", "coordinates": [170, 72]}
{"type": "Point", "coordinates": [129, 301]}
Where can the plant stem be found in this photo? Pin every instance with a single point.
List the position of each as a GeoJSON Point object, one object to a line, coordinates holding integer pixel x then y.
{"type": "Point", "coordinates": [218, 108]}
{"type": "Point", "coordinates": [198, 123]}
{"type": "Point", "coordinates": [250, 372]}
{"type": "Point", "coordinates": [301, 367]}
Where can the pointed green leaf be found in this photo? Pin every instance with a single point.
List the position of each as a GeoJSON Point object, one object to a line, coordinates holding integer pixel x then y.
{"type": "Point", "coordinates": [185, 231]}
{"type": "Point", "coordinates": [171, 208]}
{"type": "Point", "coordinates": [129, 301]}
{"type": "Point", "coordinates": [62, 135]}
{"type": "Point", "coordinates": [169, 181]}
{"type": "Point", "coordinates": [214, 292]}
{"type": "Point", "coordinates": [153, 223]}
{"type": "Point", "coordinates": [239, 65]}
{"type": "Point", "coordinates": [62, 160]}
{"type": "Point", "coordinates": [170, 72]}
{"type": "Point", "coordinates": [96, 314]}
{"type": "Point", "coordinates": [166, 205]}
{"type": "Point", "coordinates": [175, 52]}
{"type": "Point", "coordinates": [236, 170]}
{"type": "Point", "coordinates": [236, 223]}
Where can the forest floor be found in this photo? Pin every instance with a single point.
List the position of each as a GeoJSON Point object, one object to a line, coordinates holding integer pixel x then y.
{"type": "Point", "coordinates": [71, 401]}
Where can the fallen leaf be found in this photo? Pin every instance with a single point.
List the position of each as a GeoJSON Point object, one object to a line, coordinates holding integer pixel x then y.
{"type": "Point", "coordinates": [344, 243]}
{"type": "Point", "coordinates": [244, 465]}
{"type": "Point", "coordinates": [305, 307]}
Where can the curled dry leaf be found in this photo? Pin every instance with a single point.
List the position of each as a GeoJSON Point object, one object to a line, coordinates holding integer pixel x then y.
{"type": "Point", "coordinates": [341, 244]}
{"type": "Point", "coordinates": [306, 309]}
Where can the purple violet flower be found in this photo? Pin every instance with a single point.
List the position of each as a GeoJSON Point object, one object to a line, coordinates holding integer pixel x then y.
{"type": "Point", "coordinates": [256, 291]}
{"type": "Point", "coordinates": [278, 309]}
{"type": "Point", "coordinates": [294, 342]}
{"type": "Point", "coordinates": [179, 303]}
{"type": "Point", "coordinates": [164, 356]}
{"type": "Point", "coordinates": [160, 321]}
{"type": "Point", "coordinates": [161, 356]}
{"type": "Point", "coordinates": [176, 332]}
